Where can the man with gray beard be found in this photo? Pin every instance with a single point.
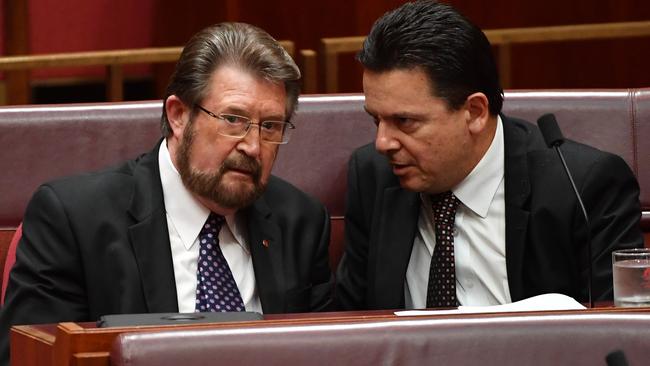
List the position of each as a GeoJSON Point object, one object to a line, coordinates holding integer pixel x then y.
{"type": "Point", "coordinates": [198, 223]}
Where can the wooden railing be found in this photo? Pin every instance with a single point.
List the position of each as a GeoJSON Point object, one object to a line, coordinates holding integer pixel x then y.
{"type": "Point", "coordinates": [113, 61]}
{"type": "Point", "coordinates": [505, 38]}
{"type": "Point", "coordinates": [502, 38]}
{"type": "Point", "coordinates": [330, 49]}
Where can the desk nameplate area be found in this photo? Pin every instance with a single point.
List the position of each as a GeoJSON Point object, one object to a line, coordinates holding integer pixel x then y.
{"type": "Point", "coordinates": [84, 344]}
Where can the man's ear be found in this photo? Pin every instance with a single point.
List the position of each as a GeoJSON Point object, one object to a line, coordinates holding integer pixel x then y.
{"type": "Point", "coordinates": [478, 109]}
{"type": "Point", "coordinates": [178, 115]}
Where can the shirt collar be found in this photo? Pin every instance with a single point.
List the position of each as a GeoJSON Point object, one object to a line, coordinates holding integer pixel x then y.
{"type": "Point", "coordinates": [484, 178]}
{"type": "Point", "coordinates": [185, 212]}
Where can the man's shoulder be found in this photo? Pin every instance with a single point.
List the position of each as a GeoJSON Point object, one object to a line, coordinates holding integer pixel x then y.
{"type": "Point", "coordinates": [368, 161]}
{"type": "Point", "coordinates": [104, 177]}
{"type": "Point", "coordinates": [368, 153]}
{"type": "Point", "coordinates": [529, 135]}
{"type": "Point", "coordinates": [544, 162]}
{"type": "Point", "coordinates": [369, 168]}
{"type": "Point", "coordinates": [107, 194]}
{"type": "Point", "coordinates": [110, 184]}
{"type": "Point", "coordinates": [519, 132]}
{"type": "Point", "coordinates": [280, 195]}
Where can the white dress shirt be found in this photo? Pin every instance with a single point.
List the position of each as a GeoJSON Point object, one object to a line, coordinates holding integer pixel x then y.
{"type": "Point", "coordinates": [479, 237]}
{"type": "Point", "coordinates": [185, 218]}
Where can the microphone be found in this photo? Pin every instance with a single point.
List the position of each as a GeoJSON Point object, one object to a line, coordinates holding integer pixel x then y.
{"type": "Point", "coordinates": [616, 358]}
{"type": "Point", "coordinates": [554, 139]}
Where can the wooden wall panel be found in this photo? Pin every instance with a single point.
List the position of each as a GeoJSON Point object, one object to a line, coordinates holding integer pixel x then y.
{"type": "Point", "coordinates": [304, 22]}
{"type": "Point", "coordinates": [588, 64]}
{"type": "Point", "coordinates": [175, 22]}
{"type": "Point", "coordinates": [104, 24]}
{"type": "Point", "coordinates": [16, 27]}
{"type": "Point", "coordinates": [2, 26]}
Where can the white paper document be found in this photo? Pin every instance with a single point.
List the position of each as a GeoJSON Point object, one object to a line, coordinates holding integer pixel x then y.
{"type": "Point", "coordinates": [535, 303]}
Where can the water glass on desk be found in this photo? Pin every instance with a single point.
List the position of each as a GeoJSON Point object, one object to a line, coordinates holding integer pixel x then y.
{"type": "Point", "coordinates": [631, 271]}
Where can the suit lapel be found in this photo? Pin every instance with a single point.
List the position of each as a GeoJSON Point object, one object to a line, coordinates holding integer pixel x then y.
{"type": "Point", "coordinates": [517, 191]}
{"type": "Point", "coordinates": [150, 238]}
{"type": "Point", "coordinates": [266, 246]}
{"type": "Point", "coordinates": [397, 229]}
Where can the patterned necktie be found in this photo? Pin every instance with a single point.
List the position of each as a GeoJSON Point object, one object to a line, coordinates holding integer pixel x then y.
{"type": "Point", "coordinates": [441, 291]}
{"type": "Point", "coordinates": [216, 289]}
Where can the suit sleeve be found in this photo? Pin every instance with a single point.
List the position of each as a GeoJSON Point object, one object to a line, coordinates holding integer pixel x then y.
{"type": "Point", "coordinates": [351, 276]}
{"type": "Point", "coordinates": [46, 284]}
{"type": "Point", "coordinates": [611, 196]}
{"type": "Point", "coordinates": [321, 275]}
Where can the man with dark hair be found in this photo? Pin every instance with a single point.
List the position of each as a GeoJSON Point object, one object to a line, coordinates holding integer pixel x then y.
{"type": "Point", "coordinates": [457, 203]}
{"type": "Point", "coordinates": [198, 223]}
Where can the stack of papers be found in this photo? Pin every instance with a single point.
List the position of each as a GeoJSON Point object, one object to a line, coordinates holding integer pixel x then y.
{"type": "Point", "coordinates": [535, 303]}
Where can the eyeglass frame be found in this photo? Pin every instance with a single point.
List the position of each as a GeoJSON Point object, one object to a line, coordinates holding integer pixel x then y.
{"type": "Point", "coordinates": [220, 116]}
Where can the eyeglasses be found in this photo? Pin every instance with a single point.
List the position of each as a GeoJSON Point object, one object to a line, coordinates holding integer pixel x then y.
{"type": "Point", "coordinates": [232, 125]}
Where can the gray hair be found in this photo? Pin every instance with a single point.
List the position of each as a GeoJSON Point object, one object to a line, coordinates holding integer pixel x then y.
{"type": "Point", "coordinates": [238, 44]}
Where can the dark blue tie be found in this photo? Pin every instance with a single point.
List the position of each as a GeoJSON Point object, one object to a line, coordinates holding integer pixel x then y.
{"type": "Point", "coordinates": [216, 289]}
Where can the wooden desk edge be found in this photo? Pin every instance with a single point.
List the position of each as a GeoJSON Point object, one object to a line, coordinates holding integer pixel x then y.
{"type": "Point", "coordinates": [81, 345]}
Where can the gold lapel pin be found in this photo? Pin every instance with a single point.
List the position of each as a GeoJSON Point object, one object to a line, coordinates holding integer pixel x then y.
{"type": "Point", "coordinates": [265, 242]}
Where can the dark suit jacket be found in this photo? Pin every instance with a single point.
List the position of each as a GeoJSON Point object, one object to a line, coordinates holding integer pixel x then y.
{"type": "Point", "coordinates": [545, 231]}
{"type": "Point", "coordinates": [98, 244]}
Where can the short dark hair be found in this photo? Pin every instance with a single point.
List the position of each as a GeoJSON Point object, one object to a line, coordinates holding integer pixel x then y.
{"type": "Point", "coordinates": [454, 53]}
{"type": "Point", "coordinates": [238, 44]}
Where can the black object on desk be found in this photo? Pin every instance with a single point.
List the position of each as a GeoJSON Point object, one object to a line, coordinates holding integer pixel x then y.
{"type": "Point", "coordinates": [125, 320]}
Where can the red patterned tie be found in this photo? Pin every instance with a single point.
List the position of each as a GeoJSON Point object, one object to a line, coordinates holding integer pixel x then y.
{"type": "Point", "coordinates": [441, 291]}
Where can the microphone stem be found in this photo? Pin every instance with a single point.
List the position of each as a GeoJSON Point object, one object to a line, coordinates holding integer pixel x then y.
{"type": "Point", "coordinates": [584, 213]}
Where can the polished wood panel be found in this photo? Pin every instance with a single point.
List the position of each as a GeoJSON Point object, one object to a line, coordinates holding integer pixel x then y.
{"type": "Point", "coordinates": [503, 39]}
{"type": "Point", "coordinates": [577, 64]}
{"type": "Point", "coordinates": [112, 60]}
{"type": "Point", "coordinates": [5, 239]}
{"type": "Point", "coordinates": [84, 344]}
{"type": "Point", "coordinates": [304, 22]}
{"type": "Point", "coordinates": [611, 64]}
{"type": "Point", "coordinates": [16, 29]}
{"type": "Point", "coordinates": [309, 69]}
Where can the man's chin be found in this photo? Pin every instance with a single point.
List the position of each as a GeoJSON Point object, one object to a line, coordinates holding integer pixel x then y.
{"type": "Point", "coordinates": [234, 200]}
{"type": "Point", "coordinates": [236, 195]}
{"type": "Point", "coordinates": [411, 184]}
{"type": "Point", "coordinates": [237, 183]}
{"type": "Point", "coordinates": [238, 176]}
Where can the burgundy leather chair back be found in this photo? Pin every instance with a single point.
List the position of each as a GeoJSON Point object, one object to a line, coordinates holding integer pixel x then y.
{"type": "Point", "coordinates": [43, 142]}
{"type": "Point", "coordinates": [615, 120]}
{"type": "Point", "coordinates": [40, 143]}
{"type": "Point", "coordinates": [328, 129]}
{"type": "Point", "coordinates": [9, 261]}
{"type": "Point", "coordinates": [582, 339]}
{"type": "Point", "coordinates": [641, 112]}
{"type": "Point", "coordinates": [331, 126]}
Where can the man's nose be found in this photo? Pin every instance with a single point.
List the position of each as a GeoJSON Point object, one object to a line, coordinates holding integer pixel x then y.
{"type": "Point", "coordinates": [250, 144]}
{"type": "Point", "coordinates": [385, 140]}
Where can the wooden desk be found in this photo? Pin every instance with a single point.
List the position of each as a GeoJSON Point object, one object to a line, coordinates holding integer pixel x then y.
{"type": "Point", "coordinates": [85, 344]}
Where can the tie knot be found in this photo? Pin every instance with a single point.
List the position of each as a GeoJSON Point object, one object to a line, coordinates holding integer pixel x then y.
{"type": "Point", "coordinates": [444, 206]}
{"type": "Point", "coordinates": [212, 224]}
{"type": "Point", "coordinates": [214, 218]}
{"type": "Point", "coordinates": [444, 198]}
